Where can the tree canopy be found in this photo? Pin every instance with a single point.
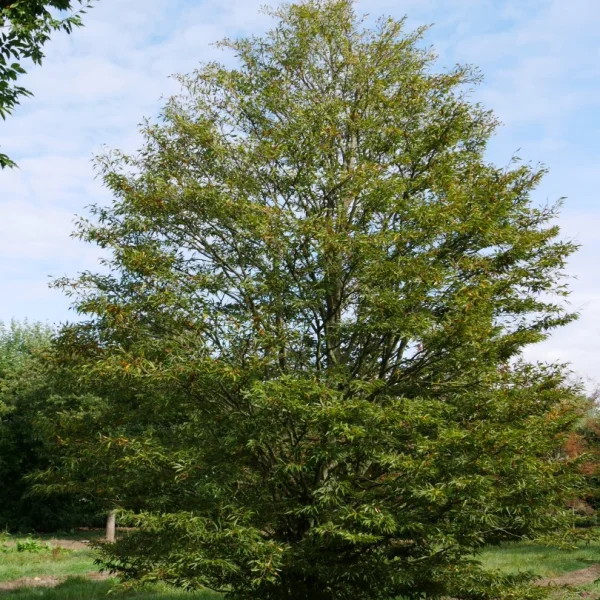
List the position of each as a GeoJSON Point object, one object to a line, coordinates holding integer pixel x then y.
{"type": "Point", "coordinates": [308, 344]}
{"type": "Point", "coordinates": [25, 27]}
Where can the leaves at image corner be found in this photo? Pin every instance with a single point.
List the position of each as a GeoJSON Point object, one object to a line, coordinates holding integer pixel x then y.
{"type": "Point", "coordinates": [308, 340]}
{"type": "Point", "coordinates": [25, 27]}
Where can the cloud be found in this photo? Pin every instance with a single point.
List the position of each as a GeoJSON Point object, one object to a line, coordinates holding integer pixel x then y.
{"type": "Point", "coordinates": [94, 88]}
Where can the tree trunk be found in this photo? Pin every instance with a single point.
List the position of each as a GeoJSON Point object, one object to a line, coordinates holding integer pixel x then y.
{"type": "Point", "coordinates": [111, 525]}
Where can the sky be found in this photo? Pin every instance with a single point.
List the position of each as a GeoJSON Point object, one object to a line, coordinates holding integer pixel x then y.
{"type": "Point", "coordinates": [540, 58]}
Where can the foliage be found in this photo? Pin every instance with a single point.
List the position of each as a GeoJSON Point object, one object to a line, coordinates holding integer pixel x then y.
{"type": "Point", "coordinates": [28, 391]}
{"type": "Point", "coordinates": [306, 351]}
{"type": "Point", "coordinates": [584, 441]}
{"type": "Point", "coordinates": [25, 27]}
{"type": "Point", "coordinates": [30, 544]}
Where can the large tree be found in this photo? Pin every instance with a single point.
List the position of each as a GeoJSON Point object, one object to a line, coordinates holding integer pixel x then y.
{"type": "Point", "coordinates": [25, 27]}
{"type": "Point", "coordinates": [308, 342]}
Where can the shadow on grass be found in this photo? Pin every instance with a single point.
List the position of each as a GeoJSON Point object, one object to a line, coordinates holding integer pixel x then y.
{"type": "Point", "coordinates": [78, 588]}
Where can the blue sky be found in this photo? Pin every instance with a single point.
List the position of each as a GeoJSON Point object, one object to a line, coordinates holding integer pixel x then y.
{"type": "Point", "coordinates": [540, 58]}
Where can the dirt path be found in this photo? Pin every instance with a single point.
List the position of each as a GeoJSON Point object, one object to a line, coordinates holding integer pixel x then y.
{"type": "Point", "coordinates": [581, 577]}
{"type": "Point", "coordinates": [70, 544]}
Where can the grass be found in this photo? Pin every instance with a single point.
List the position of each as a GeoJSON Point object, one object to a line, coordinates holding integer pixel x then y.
{"type": "Point", "coordinates": [78, 588]}
{"type": "Point", "coordinates": [547, 562]}
{"type": "Point", "coordinates": [73, 535]}
{"type": "Point", "coordinates": [66, 563]}
{"type": "Point", "coordinates": [72, 564]}
{"type": "Point", "coordinates": [542, 560]}
{"type": "Point", "coordinates": [509, 558]}
{"type": "Point", "coordinates": [586, 591]}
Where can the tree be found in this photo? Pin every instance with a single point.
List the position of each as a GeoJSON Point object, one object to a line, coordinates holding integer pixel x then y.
{"type": "Point", "coordinates": [584, 441]}
{"type": "Point", "coordinates": [23, 386]}
{"type": "Point", "coordinates": [28, 392]}
{"type": "Point", "coordinates": [308, 341]}
{"type": "Point", "coordinates": [25, 27]}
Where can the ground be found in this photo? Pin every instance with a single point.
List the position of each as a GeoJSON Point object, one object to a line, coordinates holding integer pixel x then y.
{"type": "Point", "coordinates": [61, 567]}
{"type": "Point", "coordinates": [84, 589]}
{"type": "Point", "coordinates": [571, 573]}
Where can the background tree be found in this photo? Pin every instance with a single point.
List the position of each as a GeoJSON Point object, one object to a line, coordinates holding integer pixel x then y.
{"type": "Point", "coordinates": [25, 27]}
{"type": "Point", "coordinates": [82, 433]}
{"type": "Point", "coordinates": [584, 441]}
{"type": "Point", "coordinates": [28, 392]}
{"type": "Point", "coordinates": [308, 344]}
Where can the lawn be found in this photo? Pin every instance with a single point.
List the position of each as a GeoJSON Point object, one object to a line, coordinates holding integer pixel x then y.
{"type": "Point", "coordinates": [78, 589]}
{"type": "Point", "coordinates": [75, 561]}
{"type": "Point", "coordinates": [67, 558]}
{"type": "Point", "coordinates": [548, 562]}
{"type": "Point", "coordinates": [64, 563]}
{"type": "Point", "coordinates": [542, 560]}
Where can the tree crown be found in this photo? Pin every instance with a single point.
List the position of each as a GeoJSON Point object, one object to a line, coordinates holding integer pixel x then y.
{"type": "Point", "coordinates": [309, 335]}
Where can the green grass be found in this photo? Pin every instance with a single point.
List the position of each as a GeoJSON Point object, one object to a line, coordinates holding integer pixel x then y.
{"type": "Point", "coordinates": [78, 589]}
{"type": "Point", "coordinates": [584, 591]}
{"type": "Point", "coordinates": [73, 535]}
{"type": "Point", "coordinates": [73, 564]}
{"type": "Point", "coordinates": [14, 565]}
{"type": "Point", "coordinates": [542, 560]}
{"type": "Point", "coordinates": [510, 558]}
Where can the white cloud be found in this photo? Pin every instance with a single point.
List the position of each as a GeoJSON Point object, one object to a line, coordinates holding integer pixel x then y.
{"type": "Point", "coordinates": [29, 231]}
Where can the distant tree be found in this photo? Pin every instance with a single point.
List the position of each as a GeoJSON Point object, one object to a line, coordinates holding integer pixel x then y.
{"type": "Point", "coordinates": [23, 390]}
{"type": "Point", "coordinates": [28, 399]}
{"type": "Point", "coordinates": [584, 441]}
{"type": "Point", "coordinates": [308, 344]}
{"type": "Point", "coordinates": [25, 27]}
{"type": "Point", "coordinates": [21, 344]}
